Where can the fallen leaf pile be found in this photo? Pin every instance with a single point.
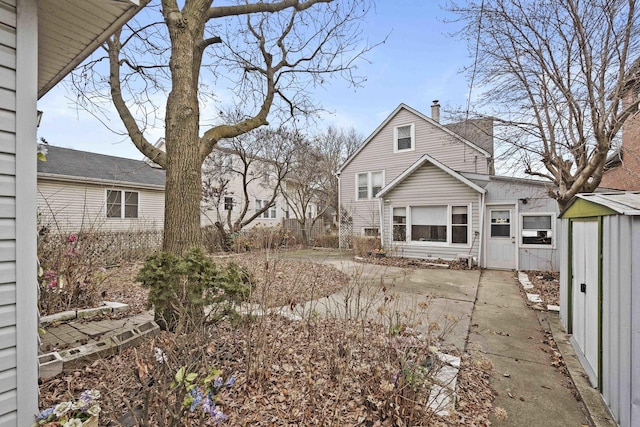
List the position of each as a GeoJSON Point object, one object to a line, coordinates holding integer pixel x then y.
{"type": "Point", "coordinates": [547, 285]}
{"type": "Point", "coordinates": [414, 263]}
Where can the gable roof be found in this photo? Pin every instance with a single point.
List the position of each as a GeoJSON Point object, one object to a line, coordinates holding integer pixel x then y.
{"type": "Point", "coordinates": [422, 116]}
{"type": "Point", "coordinates": [622, 202]}
{"type": "Point", "coordinates": [417, 164]}
{"type": "Point", "coordinates": [65, 164]}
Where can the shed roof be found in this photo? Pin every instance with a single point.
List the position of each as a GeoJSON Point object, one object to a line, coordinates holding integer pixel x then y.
{"type": "Point", "coordinates": [425, 158]}
{"type": "Point", "coordinates": [621, 202]}
{"type": "Point", "coordinates": [66, 164]}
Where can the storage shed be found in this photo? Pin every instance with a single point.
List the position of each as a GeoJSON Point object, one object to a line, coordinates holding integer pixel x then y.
{"type": "Point", "coordinates": [600, 295]}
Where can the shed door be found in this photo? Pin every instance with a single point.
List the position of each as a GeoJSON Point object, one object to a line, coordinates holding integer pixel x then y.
{"type": "Point", "coordinates": [585, 295]}
{"type": "Point", "coordinates": [501, 242]}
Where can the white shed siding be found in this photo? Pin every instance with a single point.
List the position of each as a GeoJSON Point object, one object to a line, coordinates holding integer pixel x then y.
{"type": "Point", "coordinates": [620, 326]}
{"type": "Point", "coordinates": [378, 155]}
{"type": "Point", "coordinates": [66, 206]}
{"type": "Point", "coordinates": [8, 277]}
{"type": "Point", "coordinates": [430, 186]}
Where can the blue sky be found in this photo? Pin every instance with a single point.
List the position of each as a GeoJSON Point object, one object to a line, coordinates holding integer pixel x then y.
{"type": "Point", "coordinates": [419, 62]}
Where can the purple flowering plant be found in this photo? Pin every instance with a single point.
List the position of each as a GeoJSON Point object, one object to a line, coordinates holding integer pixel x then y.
{"type": "Point", "coordinates": [201, 395]}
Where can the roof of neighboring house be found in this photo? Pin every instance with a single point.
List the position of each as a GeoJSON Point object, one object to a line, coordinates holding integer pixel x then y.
{"type": "Point", "coordinates": [622, 202]}
{"type": "Point", "coordinates": [66, 164]}
{"type": "Point", "coordinates": [425, 158]}
{"type": "Point", "coordinates": [422, 116]}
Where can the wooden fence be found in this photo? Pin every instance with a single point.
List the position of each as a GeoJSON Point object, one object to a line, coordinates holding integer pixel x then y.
{"type": "Point", "coordinates": [314, 232]}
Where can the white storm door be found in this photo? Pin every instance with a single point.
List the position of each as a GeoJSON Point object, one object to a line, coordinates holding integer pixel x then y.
{"type": "Point", "coordinates": [585, 294]}
{"type": "Point", "coordinates": [501, 242]}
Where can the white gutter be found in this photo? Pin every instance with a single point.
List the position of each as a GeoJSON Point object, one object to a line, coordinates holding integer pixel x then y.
{"type": "Point", "coordinates": [380, 208]}
{"type": "Point", "coordinates": [481, 235]}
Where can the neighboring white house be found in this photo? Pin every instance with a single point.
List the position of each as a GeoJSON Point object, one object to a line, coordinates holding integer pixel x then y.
{"type": "Point", "coordinates": [429, 192]}
{"type": "Point", "coordinates": [82, 191]}
{"type": "Point", "coordinates": [35, 54]}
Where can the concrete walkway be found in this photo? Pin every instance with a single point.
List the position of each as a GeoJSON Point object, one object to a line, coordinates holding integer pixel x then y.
{"type": "Point", "coordinates": [530, 390]}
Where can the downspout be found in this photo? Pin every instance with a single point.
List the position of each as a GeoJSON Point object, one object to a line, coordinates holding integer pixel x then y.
{"type": "Point", "coordinates": [380, 220]}
{"type": "Point", "coordinates": [481, 243]}
{"type": "Point", "coordinates": [339, 213]}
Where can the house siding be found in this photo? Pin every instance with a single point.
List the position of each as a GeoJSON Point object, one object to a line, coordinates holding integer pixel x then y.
{"type": "Point", "coordinates": [8, 277]}
{"type": "Point", "coordinates": [512, 191]}
{"type": "Point", "coordinates": [72, 207]}
{"type": "Point", "coordinates": [430, 186]}
{"type": "Point", "coordinates": [378, 155]}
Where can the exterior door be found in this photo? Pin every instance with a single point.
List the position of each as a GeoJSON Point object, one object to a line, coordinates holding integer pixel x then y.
{"type": "Point", "coordinates": [585, 294]}
{"type": "Point", "coordinates": [501, 240]}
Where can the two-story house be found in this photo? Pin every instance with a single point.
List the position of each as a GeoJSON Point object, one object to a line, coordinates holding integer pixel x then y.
{"type": "Point", "coordinates": [429, 191]}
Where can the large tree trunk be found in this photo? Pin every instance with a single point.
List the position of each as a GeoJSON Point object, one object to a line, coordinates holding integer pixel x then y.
{"type": "Point", "coordinates": [183, 189]}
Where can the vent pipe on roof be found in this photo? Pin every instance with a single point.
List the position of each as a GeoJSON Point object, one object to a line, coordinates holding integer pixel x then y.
{"type": "Point", "coordinates": [435, 111]}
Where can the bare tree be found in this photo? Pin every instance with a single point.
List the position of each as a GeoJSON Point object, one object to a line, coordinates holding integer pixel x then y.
{"type": "Point", "coordinates": [266, 56]}
{"type": "Point", "coordinates": [241, 168]}
{"type": "Point", "coordinates": [553, 72]}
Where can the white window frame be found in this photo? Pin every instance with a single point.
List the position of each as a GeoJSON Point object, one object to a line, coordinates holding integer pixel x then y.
{"type": "Point", "coordinates": [552, 230]}
{"type": "Point", "coordinates": [271, 213]}
{"type": "Point", "coordinates": [412, 128]}
{"type": "Point", "coordinates": [448, 243]}
{"type": "Point", "coordinates": [123, 205]}
{"type": "Point", "coordinates": [370, 195]}
{"type": "Point", "coordinates": [377, 232]}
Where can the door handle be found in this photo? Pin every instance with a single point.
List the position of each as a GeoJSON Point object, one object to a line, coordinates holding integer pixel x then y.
{"type": "Point", "coordinates": [583, 288]}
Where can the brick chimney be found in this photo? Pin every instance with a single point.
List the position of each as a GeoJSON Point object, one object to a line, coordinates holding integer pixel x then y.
{"type": "Point", "coordinates": [435, 111]}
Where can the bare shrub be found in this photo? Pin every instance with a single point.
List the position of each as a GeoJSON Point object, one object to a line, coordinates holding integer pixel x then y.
{"type": "Point", "coordinates": [262, 237]}
{"type": "Point", "coordinates": [328, 240]}
{"type": "Point", "coordinates": [363, 246]}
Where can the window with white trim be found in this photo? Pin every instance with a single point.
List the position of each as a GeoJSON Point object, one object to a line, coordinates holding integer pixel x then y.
{"type": "Point", "coordinates": [537, 229]}
{"type": "Point", "coordinates": [270, 213]}
{"type": "Point", "coordinates": [403, 138]}
{"type": "Point", "coordinates": [429, 224]}
{"type": "Point", "coordinates": [368, 184]}
{"type": "Point", "coordinates": [122, 204]}
{"type": "Point", "coordinates": [371, 231]}
{"type": "Point", "coordinates": [399, 224]}
{"type": "Point", "coordinates": [442, 224]}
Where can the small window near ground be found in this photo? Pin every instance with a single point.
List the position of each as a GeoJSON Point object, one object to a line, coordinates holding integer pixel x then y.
{"type": "Point", "coordinates": [429, 224]}
{"type": "Point", "coordinates": [399, 224]}
{"type": "Point", "coordinates": [501, 223]}
{"type": "Point", "coordinates": [403, 138]}
{"type": "Point", "coordinates": [371, 232]}
{"type": "Point", "coordinates": [459, 224]}
{"type": "Point", "coordinates": [537, 230]}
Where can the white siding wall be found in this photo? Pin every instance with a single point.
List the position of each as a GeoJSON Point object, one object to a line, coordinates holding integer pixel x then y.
{"type": "Point", "coordinates": [256, 189]}
{"type": "Point", "coordinates": [620, 320]}
{"type": "Point", "coordinates": [378, 155]}
{"type": "Point", "coordinates": [71, 207]}
{"type": "Point", "coordinates": [8, 277]}
{"type": "Point", "coordinates": [504, 191]}
{"type": "Point", "coordinates": [427, 186]}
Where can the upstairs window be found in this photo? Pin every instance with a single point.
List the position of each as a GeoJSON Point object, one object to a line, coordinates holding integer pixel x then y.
{"type": "Point", "coordinates": [404, 137]}
{"type": "Point", "coordinates": [269, 213]}
{"type": "Point", "coordinates": [368, 184]}
{"type": "Point", "coordinates": [228, 203]}
{"type": "Point", "coordinates": [122, 204]}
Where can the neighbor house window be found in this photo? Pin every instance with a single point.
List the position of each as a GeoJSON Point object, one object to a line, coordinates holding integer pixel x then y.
{"type": "Point", "coordinates": [403, 138]}
{"type": "Point", "coordinates": [269, 213]}
{"type": "Point", "coordinates": [429, 224]}
{"type": "Point", "coordinates": [228, 203]}
{"type": "Point", "coordinates": [537, 229]}
{"type": "Point", "coordinates": [368, 184]}
{"type": "Point", "coordinates": [399, 224]}
{"type": "Point", "coordinates": [122, 204]}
